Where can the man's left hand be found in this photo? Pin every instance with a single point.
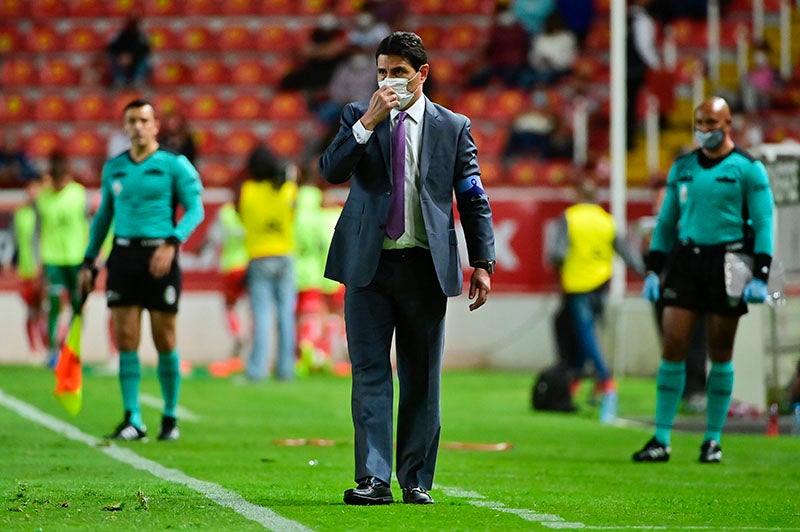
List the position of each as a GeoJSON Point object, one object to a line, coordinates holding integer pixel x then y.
{"type": "Point", "coordinates": [755, 291]}
{"type": "Point", "coordinates": [161, 261]}
{"type": "Point", "coordinates": [480, 285]}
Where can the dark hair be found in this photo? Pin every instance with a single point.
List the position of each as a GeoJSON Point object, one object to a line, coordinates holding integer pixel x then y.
{"type": "Point", "coordinates": [262, 165]}
{"type": "Point", "coordinates": [405, 44]}
{"type": "Point", "coordinates": [136, 104]}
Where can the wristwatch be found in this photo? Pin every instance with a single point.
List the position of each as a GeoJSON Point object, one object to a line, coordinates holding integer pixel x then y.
{"type": "Point", "coordinates": [487, 265]}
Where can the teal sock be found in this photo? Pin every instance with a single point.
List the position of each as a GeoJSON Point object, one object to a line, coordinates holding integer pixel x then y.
{"type": "Point", "coordinates": [670, 381]}
{"type": "Point", "coordinates": [130, 377]}
{"type": "Point", "coordinates": [719, 388]}
{"type": "Point", "coordinates": [169, 375]}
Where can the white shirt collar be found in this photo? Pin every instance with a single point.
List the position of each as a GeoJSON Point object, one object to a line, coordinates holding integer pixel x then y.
{"type": "Point", "coordinates": [416, 110]}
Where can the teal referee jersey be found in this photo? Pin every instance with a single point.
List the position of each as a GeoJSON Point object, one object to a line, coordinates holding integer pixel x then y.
{"type": "Point", "coordinates": [705, 199]}
{"type": "Point", "coordinates": [141, 199]}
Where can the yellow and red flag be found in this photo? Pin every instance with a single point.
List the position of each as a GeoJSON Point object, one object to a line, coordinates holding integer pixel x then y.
{"type": "Point", "coordinates": [69, 375]}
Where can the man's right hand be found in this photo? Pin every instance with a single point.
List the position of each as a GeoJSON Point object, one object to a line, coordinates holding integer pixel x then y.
{"type": "Point", "coordinates": [381, 103]}
{"type": "Point", "coordinates": [651, 289]}
{"type": "Point", "coordinates": [86, 278]}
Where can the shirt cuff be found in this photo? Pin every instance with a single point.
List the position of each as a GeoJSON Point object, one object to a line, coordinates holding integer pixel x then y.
{"type": "Point", "coordinates": [361, 133]}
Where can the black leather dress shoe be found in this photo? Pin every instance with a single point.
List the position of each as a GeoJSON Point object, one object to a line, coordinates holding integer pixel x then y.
{"type": "Point", "coordinates": [416, 495]}
{"type": "Point", "coordinates": [370, 491]}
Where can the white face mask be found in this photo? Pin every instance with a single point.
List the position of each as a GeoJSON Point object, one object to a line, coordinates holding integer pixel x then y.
{"type": "Point", "coordinates": [400, 86]}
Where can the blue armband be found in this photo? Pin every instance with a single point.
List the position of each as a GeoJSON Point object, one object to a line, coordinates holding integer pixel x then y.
{"type": "Point", "coordinates": [469, 187]}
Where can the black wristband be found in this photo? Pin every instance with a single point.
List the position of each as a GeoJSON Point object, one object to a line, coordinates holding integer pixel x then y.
{"type": "Point", "coordinates": [654, 261]}
{"type": "Point", "coordinates": [88, 263]}
{"type": "Point", "coordinates": [173, 241]}
{"type": "Point", "coordinates": [761, 264]}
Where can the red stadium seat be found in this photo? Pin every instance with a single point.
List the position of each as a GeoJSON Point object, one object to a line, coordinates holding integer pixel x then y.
{"type": "Point", "coordinates": [85, 143]}
{"type": "Point", "coordinates": [525, 171]}
{"type": "Point", "coordinates": [14, 108]}
{"type": "Point", "coordinates": [53, 108]}
{"type": "Point", "coordinates": [43, 39]}
{"type": "Point", "coordinates": [163, 38]}
{"type": "Point", "coordinates": [427, 7]}
{"type": "Point", "coordinates": [286, 142]}
{"type": "Point", "coordinates": [690, 33]}
{"type": "Point", "coordinates": [492, 171]}
{"type": "Point", "coordinates": [92, 106]}
{"type": "Point", "coordinates": [490, 140]}
{"type": "Point", "coordinates": [198, 38]}
{"type": "Point", "coordinates": [13, 9]}
{"type": "Point", "coordinates": [557, 172]}
{"type": "Point", "coordinates": [470, 7]}
{"type": "Point", "coordinates": [57, 72]}
{"type": "Point", "coordinates": [42, 143]}
{"type": "Point", "coordinates": [463, 36]}
{"type": "Point", "coordinates": [287, 106]}
{"type": "Point", "coordinates": [120, 100]}
{"type": "Point", "coordinates": [599, 36]}
{"type": "Point", "coordinates": [348, 8]}
{"type": "Point", "coordinates": [508, 104]}
{"type": "Point", "coordinates": [276, 7]}
{"type": "Point", "coordinates": [203, 7]}
{"type": "Point", "coordinates": [120, 8]}
{"type": "Point", "coordinates": [245, 107]}
{"type": "Point", "coordinates": [87, 8]}
{"type": "Point", "coordinates": [239, 143]}
{"type": "Point", "coordinates": [209, 72]}
{"type": "Point", "coordinates": [241, 7]}
{"type": "Point", "coordinates": [688, 67]}
{"type": "Point", "coordinates": [431, 35]}
{"type": "Point", "coordinates": [165, 102]}
{"type": "Point", "coordinates": [10, 40]}
{"type": "Point", "coordinates": [474, 104]}
{"type": "Point", "coordinates": [215, 174]}
{"type": "Point", "coordinates": [276, 69]}
{"type": "Point", "coordinates": [207, 142]}
{"type": "Point", "coordinates": [247, 72]}
{"type": "Point", "coordinates": [17, 73]}
{"type": "Point", "coordinates": [235, 37]}
{"type": "Point", "coordinates": [206, 106]}
{"type": "Point", "coordinates": [310, 7]}
{"type": "Point", "coordinates": [446, 71]}
{"type": "Point", "coordinates": [163, 8]}
{"type": "Point", "coordinates": [84, 39]}
{"type": "Point", "coordinates": [170, 74]}
{"type": "Point", "coordinates": [592, 68]}
{"type": "Point", "coordinates": [47, 9]}
{"type": "Point", "coordinates": [275, 39]}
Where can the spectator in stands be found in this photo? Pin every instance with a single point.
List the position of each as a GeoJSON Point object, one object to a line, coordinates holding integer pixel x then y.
{"type": "Point", "coordinates": [390, 12]}
{"type": "Point", "coordinates": [533, 13]}
{"type": "Point", "coordinates": [761, 80]}
{"type": "Point", "coordinates": [505, 57]}
{"type": "Point", "coordinates": [553, 52]}
{"type": "Point", "coordinates": [578, 16]}
{"type": "Point", "coordinates": [15, 167]}
{"type": "Point", "coordinates": [642, 55]}
{"type": "Point", "coordinates": [129, 52]}
{"type": "Point", "coordinates": [318, 57]}
{"type": "Point", "coordinates": [368, 31]}
{"type": "Point", "coordinates": [176, 136]}
{"type": "Point", "coordinates": [542, 131]}
{"type": "Point", "coordinates": [353, 79]}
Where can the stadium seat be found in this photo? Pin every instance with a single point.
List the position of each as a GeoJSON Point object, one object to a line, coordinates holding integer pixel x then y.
{"type": "Point", "coordinates": [463, 36]}
{"type": "Point", "coordinates": [238, 143]}
{"type": "Point", "coordinates": [123, 98]}
{"type": "Point", "coordinates": [431, 35]}
{"type": "Point", "coordinates": [42, 143]}
{"type": "Point", "coordinates": [203, 7]}
{"type": "Point", "coordinates": [14, 108]}
{"type": "Point", "coordinates": [492, 171]}
{"type": "Point", "coordinates": [310, 7]}
{"type": "Point", "coordinates": [209, 72]}
{"type": "Point", "coordinates": [286, 142]}
{"type": "Point", "coordinates": [276, 7]}
{"type": "Point", "coordinates": [275, 39]}
{"type": "Point", "coordinates": [10, 40]}
{"type": "Point", "coordinates": [163, 8]}
{"type": "Point", "coordinates": [206, 106]}
{"type": "Point", "coordinates": [166, 102]}
{"type": "Point", "coordinates": [53, 108]}
{"type": "Point", "coordinates": [17, 73]}
{"type": "Point", "coordinates": [215, 174]}
{"type": "Point", "coordinates": [348, 8]}
{"type": "Point", "coordinates": [687, 68]}
{"type": "Point", "coordinates": [87, 8]}
{"type": "Point", "coordinates": [47, 10]}
{"type": "Point", "coordinates": [474, 104]}
{"type": "Point", "coordinates": [13, 9]}
{"type": "Point", "coordinates": [85, 143]}
{"type": "Point", "coordinates": [592, 68]}
{"type": "Point", "coordinates": [57, 72]}
{"type": "Point", "coordinates": [276, 69]}
{"type": "Point", "coordinates": [525, 171]}
{"type": "Point", "coordinates": [447, 71]}
{"type": "Point", "coordinates": [170, 74]}
{"type": "Point", "coordinates": [508, 104]}
{"type": "Point", "coordinates": [599, 37]}
{"type": "Point", "coordinates": [206, 141]}
{"type": "Point", "coordinates": [235, 37]}
{"type": "Point", "coordinates": [92, 106]}
{"type": "Point", "coordinates": [241, 7]}
{"type": "Point", "coordinates": [490, 140]}
{"type": "Point", "coordinates": [84, 39]}
{"type": "Point", "coordinates": [245, 107]}
{"type": "Point", "coordinates": [427, 7]}
{"type": "Point", "coordinates": [43, 39]}
{"type": "Point", "coordinates": [120, 8]}
{"type": "Point", "coordinates": [557, 172]}
{"type": "Point", "coordinates": [198, 38]}
{"type": "Point", "coordinates": [470, 7]}
{"type": "Point", "coordinates": [287, 106]}
{"type": "Point", "coordinates": [247, 72]}
{"type": "Point", "coordinates": [690, 33]}
{"type": "Point", "coordinates": [163, 38]}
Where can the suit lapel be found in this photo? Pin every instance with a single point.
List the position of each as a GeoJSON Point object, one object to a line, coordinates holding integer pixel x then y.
{"type": "Point", "coordinates": [382, 131]}
{"type": "Point", "coordinates": [429, 139]}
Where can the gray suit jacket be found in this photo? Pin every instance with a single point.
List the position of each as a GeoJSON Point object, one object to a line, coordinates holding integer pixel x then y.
{"type": "Point", "coordinates": [448, 163]}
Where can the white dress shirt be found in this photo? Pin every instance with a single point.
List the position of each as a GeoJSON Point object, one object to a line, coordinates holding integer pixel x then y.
{"type": "Point", "coordinates": [414, 234]}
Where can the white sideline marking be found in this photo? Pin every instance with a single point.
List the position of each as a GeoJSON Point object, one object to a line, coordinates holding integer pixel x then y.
{"type": "Point", "coordinates": [222, 496]}
{"type": "Point", "coordinates": [183, 414]}
{"type": "Point", "coordinates": [558, 522]}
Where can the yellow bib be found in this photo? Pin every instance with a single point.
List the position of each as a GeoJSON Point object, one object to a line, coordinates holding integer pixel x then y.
{"type": "Point", "coordinates": [267, 216]}
{"type": "Point", "coordinates": [590, 253]}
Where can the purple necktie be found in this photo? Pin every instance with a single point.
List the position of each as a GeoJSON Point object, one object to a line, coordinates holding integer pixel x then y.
{"type": "Point", "coordinates": [396, 224]}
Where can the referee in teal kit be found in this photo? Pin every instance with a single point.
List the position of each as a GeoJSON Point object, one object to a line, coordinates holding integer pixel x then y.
{"type": "Point", "coordinates": [718, 203]}
{"type": "Point", "coordinates": [141, 189]}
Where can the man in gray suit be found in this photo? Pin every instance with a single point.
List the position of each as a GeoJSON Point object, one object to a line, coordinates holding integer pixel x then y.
{"type": "Point", "coordinates": [396, 251]}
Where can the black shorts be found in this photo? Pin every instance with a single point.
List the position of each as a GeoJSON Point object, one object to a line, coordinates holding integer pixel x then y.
{"type": "Point", "coordinates": [695, 280]}
{"type": "Point", "coordinates": [129, 282]}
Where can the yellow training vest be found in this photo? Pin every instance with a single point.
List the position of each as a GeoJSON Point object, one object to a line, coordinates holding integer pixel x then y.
{"type": "Point", "coordinates": [590, 252]}
{"type": "Point", "coordinates": [267, 216]}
